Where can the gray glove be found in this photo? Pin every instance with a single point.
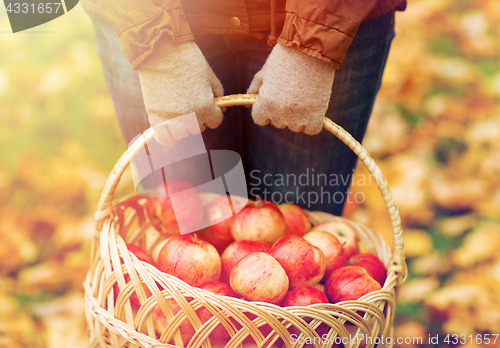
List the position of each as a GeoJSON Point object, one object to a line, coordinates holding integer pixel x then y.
{"type": "Point", "coordinates": [177, 80]}
{"type": "Point", "coordinates": [294, 91]}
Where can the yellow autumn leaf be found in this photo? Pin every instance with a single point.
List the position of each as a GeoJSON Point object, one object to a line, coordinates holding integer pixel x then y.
{"type": "Point", "coordinates": [417, 242]}
{"type": "Point", "coordinates": [479, 245]}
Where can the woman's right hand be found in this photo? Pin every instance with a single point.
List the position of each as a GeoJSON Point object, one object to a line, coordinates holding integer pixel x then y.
{"type": "Point", "coordinates": [177, 80]}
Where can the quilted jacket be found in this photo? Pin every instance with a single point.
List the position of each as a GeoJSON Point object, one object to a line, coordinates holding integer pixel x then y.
{"type": "Point", "coordinates": [319, 28]}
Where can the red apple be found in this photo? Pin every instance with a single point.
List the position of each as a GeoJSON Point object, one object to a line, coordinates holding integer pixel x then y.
{"type": "Point", "coordinates": [320, 287]}
{"type": "Point", "coordinates": [259, 221]}
{"type": "Point", "coordinates": [142, 256]}
{"type": "Point", "coordinates": [304, 263]}
{"type": "Point", "coordinates": [344, 233]}
{"type": "Point", "coordinates": [157, 249]}
{"type": "Point", "coordinates": [188, 208]}
{"type": "Point", "coordinates": [238, 250]}
{"type": "Point", "coordinates": [331, 248]}
{"type": "Point", "coordinates": [349, 283]}
{"type": "Point", "coordinates": [296, 219]}
{"type": "Point", "coordinates": [218, 288]}
{"type": "Point", "coordinates": [265, 330]}
{"type": "Point", "coordinates": [259, 277]}
{"type": "Point", "coordinates": [219, 233]}
{"type": "Point", "coordinates": [139, 253]}
{"type": "Point", "coordinates": [190, 259]}
{"type": "Point", "coordinates": [160, 322]}
{"type": "Point", "coordinates": [304, 295]}
{"type": "Point", "coordinates": [372, 265]}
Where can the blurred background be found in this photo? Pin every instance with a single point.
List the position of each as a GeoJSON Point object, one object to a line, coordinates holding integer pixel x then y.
{"type": "Point", "coordinates": [435, 133]}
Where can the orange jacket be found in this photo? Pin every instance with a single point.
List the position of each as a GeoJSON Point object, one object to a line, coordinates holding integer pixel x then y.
{"type": "Point", "coordinates": [320, 28]}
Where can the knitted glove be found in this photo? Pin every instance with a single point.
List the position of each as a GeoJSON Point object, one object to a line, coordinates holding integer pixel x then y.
{"type": "Point", "coordinates": [294, 91]}
{"type": "Point", "coordinates": [177, 80]}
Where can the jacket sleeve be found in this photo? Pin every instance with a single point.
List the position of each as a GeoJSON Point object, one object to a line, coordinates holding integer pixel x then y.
{"type": "Point", "coordinates": [323, 29]}
{"type": "Point", "coordinates": [141, 24]}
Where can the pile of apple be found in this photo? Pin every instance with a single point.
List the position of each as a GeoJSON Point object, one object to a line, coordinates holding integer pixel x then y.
{"type": "Point", "coordinates": [265, 253]}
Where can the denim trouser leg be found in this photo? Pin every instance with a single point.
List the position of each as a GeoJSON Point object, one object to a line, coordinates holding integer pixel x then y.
{"type": "Point", "coordinates": [280, 164]}
{"type": "Point", "coordinates": [122, 81]}
{"type": "Point", "coordinates": [280, 157]}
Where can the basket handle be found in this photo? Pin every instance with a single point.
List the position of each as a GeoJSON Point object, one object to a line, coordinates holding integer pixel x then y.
{"type": "Point", "coordinates": [397, 265]}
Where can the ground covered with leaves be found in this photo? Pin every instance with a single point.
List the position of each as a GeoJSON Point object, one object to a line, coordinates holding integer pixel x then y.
{"type": "Point", "coordinates": [435, 133]}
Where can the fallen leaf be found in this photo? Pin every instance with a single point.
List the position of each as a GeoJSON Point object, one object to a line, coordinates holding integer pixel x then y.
{"type": "Point", "coordinates": [417, 242]}
{"type": "Point", "coordinates": [417, 289]}
{"type": "Point", "coordinates": [479, 245]}
{"type": "Point", "coordinates": [432, 264]}
{"type": "Point", "coordinates": [456, 225]}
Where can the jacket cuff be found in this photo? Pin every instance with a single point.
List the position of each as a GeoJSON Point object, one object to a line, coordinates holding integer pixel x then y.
{"type": "Point", "coordinates": [316, 40]}
{"type": "Point", "coordinates": [166, 23]}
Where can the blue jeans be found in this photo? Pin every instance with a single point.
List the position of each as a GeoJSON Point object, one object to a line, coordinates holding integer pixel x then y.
{"type": "Point", "coordinates": [311, 171]}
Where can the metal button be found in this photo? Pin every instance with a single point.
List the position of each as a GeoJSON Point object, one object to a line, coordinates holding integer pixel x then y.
{"type": "Point", "coordinates": [235, 22]}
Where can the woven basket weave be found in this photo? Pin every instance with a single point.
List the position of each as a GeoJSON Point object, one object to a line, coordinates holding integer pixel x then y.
{"type": "Point", "coordinates": [113, 323]}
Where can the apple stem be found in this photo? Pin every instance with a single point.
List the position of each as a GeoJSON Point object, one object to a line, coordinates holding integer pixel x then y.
{"type": "Point", "coordinates": [257, 202]}
{"type": "Point", "coordinates": [195, 237]}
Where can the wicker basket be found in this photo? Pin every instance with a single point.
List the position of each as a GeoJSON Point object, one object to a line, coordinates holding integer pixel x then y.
{"type": "Point", "coordinates": [113, 322]}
